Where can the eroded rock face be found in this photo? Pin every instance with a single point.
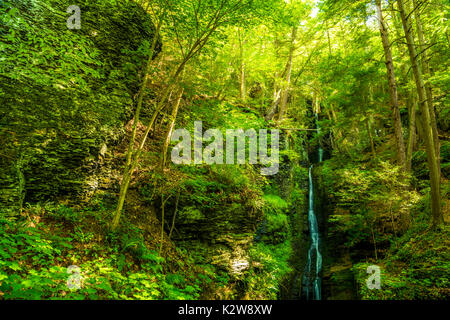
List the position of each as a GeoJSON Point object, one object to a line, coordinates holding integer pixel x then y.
{"type": "Point", "coordinates": [233, 256]}
{"type": "Point", "coordinates": [222, 235]}
{"type": "Point", "coordinates": [54, 136]}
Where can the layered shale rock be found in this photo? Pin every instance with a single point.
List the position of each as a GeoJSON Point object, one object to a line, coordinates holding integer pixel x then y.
{"type": "Point", "coordinates": [53, 138]}
{"type": "Point", "coordinates": [221, 234]}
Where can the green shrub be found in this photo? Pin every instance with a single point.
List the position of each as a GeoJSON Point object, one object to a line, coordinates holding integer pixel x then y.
{"type": "Point", "coordinates": [275, 226]}
{"type": "Point", "coordinates": [265, 281]}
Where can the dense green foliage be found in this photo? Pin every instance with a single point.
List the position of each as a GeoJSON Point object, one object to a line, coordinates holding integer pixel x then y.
{"type": "Point", "coordinates": [71, 148]}
{"type": "Point", "coordinates": [64, 93]}
{"type": "Point", "coordinates": [34, 261]}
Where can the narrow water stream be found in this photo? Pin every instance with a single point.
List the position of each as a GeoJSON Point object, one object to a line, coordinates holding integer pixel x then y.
{"type": "Point", "coordinates": [311, 277]}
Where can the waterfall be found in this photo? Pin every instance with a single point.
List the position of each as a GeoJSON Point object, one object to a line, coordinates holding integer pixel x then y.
{"type": "Point", "coordinates": [311, 277]}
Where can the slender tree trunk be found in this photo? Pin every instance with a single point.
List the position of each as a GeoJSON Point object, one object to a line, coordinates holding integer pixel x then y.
{"type": "Point", "coordinates": [242, 86]}
{"type": "Point", "coordinates": [401, 156]}
{"type": "Point", "coordinates": [337, 134]}
{"type": "Point", "coordinates": [170, 130]}
{"type": "Point", "coordinates": [274, 106]}
{"type": "Point", "coordinates": [163, 114]}
{"type": "Point", "coordinates": [411, 130]}
{"type": "Point", "coordinates": [433, 164]}
{"type": "Point", "coordinates": [128, 171]}
{"type": "Point", "coordinates": [174, 215]}
{"type": "Point", "coordinates": [194, 49]}
{"type": "Point", "coordinates": [419, 125]}
{"type": "Point", "coordinates": [163, 205]}
{"type": "Point", "coordinates": [369, 133]}
{"type": "Point", "coordinates": [275, 86]}
{"type": "Point", "coordinates": [429, 92]}
{"type": "Point", "coordinates": [285, 91]}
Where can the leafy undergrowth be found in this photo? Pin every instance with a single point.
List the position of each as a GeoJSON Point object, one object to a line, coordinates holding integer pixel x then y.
{"type": "Point", "coordinates": [271, 267]}
{"type": "Point", "coordinates": [416, 268]}
{"type": "Point", "coordinates": [271, 252]}
{"type": "Point", "coordinates": [37, 250]}
{"type": "Point", "coordinates": [417, 263]}
{"type": "Point", "coordinates": [371, 204]}
{"type": "Point", "coordinates": [387, 224]}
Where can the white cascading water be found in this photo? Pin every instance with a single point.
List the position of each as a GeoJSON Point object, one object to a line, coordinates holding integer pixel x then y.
{"type": "Point", "coordinates": [311, 280]}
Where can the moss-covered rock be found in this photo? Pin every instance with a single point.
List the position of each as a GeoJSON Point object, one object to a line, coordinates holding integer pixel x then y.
{"type": "Point", "coordinates": [65, 94]}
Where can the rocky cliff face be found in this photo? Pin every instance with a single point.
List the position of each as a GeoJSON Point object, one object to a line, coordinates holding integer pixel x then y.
{"type": "Point", "coordinates": [56, 137]}
{"type": "Point", "coordinates": [298, 214]}
{"type": "Point", "coordinates": [337, 276]}
{"type": "Point", "coordinates": [222, 233]}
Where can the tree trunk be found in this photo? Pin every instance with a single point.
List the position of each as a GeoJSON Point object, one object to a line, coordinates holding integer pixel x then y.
{"type": "Point", "coordinates": [174, 215]}
{"type": "Point", "coordinates": [242, 86]}
{"type": "Point", "coordinates": [194, 49]}
{"type": "Point", "coordinates": [337, 134]}
{"type": "Point", "coordinates": [411, 131]}
{"type": "Point", "coordinates": [128, 171]}
{"type": "Point", "coordinates": [369, 133]}
{"type": "Point", "coordinates": [170, 130]}
{"type": "Point", "coordinates": [427, 72]}
{"type": "Point", "coordinates": [273, 107]}
{"type": "Point", "coordinates": [130, 168]}
{"type": "Point", "coordinates": [419, 126]}
{"type": "Point", "coordinates": [401, 156]}
{"type": "Point", "coordinates": [285, 91]}
{"type": "Point", "coordinates": [437, 218]}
